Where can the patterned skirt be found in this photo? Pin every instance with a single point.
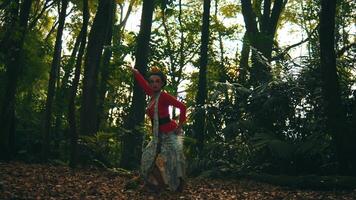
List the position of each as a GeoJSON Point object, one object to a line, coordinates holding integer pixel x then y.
{"type": "Point", "coordinates": [165, 153]}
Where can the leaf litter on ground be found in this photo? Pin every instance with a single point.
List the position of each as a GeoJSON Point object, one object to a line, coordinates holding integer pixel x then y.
{"type": "Point", "coordinates": [43, 181]}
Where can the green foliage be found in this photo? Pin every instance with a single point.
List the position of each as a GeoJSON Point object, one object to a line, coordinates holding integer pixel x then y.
{"type": "Point", "coordinates": [230, 10]}
{"type": "Point", "coordinates": [28, 143]}
{"type": "Point", "coordinates": [275, 128]}
{"type": "Point", "coordinates": [292, 155]}
{"type": "Point", "coordinates": [105, 147]}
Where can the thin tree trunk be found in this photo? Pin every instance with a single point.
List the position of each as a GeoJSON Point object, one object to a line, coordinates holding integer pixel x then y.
{"type": "Point", "coordinates": [353, 134]}
{"type": "Point", "coordinates": [132, 142]}
{"type": "Point", "coordinates": [52, 81]}
{"type": "Point", "coordinates": [182, 44]}
{"type": "Point", "coordinates": [181, 59]}
{"type": "Point", "coordinates": [222, 68]}
{"type": "Point", "coordinates": [63, 91]}
{"type": "Point", "coordinates": [89, 112]}
{"type": "Point", "coordinates": [244, 66]}
{"type": "Point", "coordinates": [47, 4]}
{"type": "Point", "coordinates": [119, 29]}
{"type": "Point", "coordinates": [68, 69]}
{"type": "Point", "coordinates": [105, 70]}
{"type": "Point", "coordinates": [334, 110]}
{"type": "Point", "coordinates": [73, 90]}
{"type": "Point", "coordinates": [199, 121]}
{"type": "Point", "coordinates": [50, 32]}
{"type": "Point", "coordinates": [13, 69]}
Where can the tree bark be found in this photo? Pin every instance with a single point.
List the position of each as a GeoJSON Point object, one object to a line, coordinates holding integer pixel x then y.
{"type": "Point", "coordinates": [132, 141]}
{"type": "Point", "coordinates": [13, 69]}
{"type": "Point", "coordinates": [52, 82]}
{"type": "Point", "coordinates": [353, 132]}
{"type": "Point", "coordinates": [199, 121]}
{"type": "Point", "coordinates": [244, 66]}
{"type": "Point", "coordinates": [73, 90]}
{"type": "Point", "coordinates": [222, 69]}
{"type": "Point", "coordinates": [261, 39]}
{"type": "Point", "coordinates": [118, 30]}
{"type": "Point", "coordinates": [105, 69]}
{"type": "Point", "coordinates": [89, 112]}
{"type": "Point", "coordinates": [334, 110]}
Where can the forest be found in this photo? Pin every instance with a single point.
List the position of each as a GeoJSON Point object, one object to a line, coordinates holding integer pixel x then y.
{"type": "Point", "coordinates": [269, 85]}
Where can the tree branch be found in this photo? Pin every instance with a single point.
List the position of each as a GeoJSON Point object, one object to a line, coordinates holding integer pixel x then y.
{"type": "Point", "coordinates": [277, 9]}
{"type": "Point", "coordinates": [36, 18]}
{"type": "Point", "coordinates": [129, 9]}
{"type": "Point", "coordinates": [249, 16]}
{"type": "Point", "coordinates": [266, 15]}
{"type": "Point", "coordinates": [285, 51]}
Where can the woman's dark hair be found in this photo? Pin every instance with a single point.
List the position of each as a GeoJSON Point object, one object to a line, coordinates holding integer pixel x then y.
{"type": "Point", "coordinates": [156, 71]}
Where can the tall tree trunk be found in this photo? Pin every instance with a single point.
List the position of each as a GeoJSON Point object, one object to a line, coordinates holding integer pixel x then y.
{"type": "Point", "coordinates": [63, 91]}
{"type": "Point", "coordinates": [260, 36]}
{"type": "Point", "coordinates": [199, 121]}
{"type": "Point", "coordinates": [132, 142]}
{"type": "Point", "coordinates": [73, 132]}
{"type": "Point", "coordinates": [105, 69]}
{"type": "Point", "coordinates": [175, 80]}
{"type": "Point", "coordinates": [334, 110]}
{"type": "Point", "coordinates": [261, 39]}
{"type": "Point", "coordinates": [52, 81]}
{"type": "Point", "coordinates": [353, 133]}
{"type": "Point", "coordinates": [88, 112]}
{"type": "Point", "coordinates": [222, 69]}
{"type": "Point", "coordinates": [118, 30]}
{"type": "Point", "coordinates": [13, 69]}
{"type": "Point", "coordinates": [252, 33]}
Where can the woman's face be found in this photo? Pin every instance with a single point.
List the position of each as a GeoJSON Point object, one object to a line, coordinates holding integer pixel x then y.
{"type": "Point", "coordinates": [155, 83]}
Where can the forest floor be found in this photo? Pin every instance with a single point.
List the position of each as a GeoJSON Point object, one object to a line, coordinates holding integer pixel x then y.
{"type": "Point", "coordinates": [37, 181]}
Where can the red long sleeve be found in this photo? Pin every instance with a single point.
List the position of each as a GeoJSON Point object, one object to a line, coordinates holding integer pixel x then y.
{"type": "Point", "coordinates": [143, 83]}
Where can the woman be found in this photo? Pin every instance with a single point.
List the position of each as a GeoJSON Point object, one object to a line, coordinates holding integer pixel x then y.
{"type": "Point", "coordinates": [162, 162]}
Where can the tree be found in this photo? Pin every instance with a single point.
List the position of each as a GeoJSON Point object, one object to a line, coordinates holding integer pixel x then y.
{"type": "Point", "coordinates": [73, 89]}
{"type": "Point", "coordinates": [98, 33]}
{"type": "Point", "coordinates": [132, 141]}
{"type": "Point", "coordinates": [244, 66]}
{"type": "Point", "coordinates": [107, 66]}
{"type": "Point", "coordinates": [52, 80]}
{"type": "Point", "coordinates": [14, 44]}
{"type": "Point", "coordinates": [334, 110]}
{"type": "Point", "coordinates": [199, 119]}
{"type": "Point", "coordinates": [260, 35]}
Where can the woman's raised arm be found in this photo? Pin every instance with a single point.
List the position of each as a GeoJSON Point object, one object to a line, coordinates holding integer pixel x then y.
{"type": "Point", "coordinates": [142, 82]}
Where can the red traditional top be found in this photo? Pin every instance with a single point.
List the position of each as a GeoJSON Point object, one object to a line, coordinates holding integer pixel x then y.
{"type": "Point", "coordinates": [165, 100]}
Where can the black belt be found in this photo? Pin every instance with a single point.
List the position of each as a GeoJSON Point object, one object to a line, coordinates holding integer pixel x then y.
{"type": "Point", "coordinates": [163, 120]}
